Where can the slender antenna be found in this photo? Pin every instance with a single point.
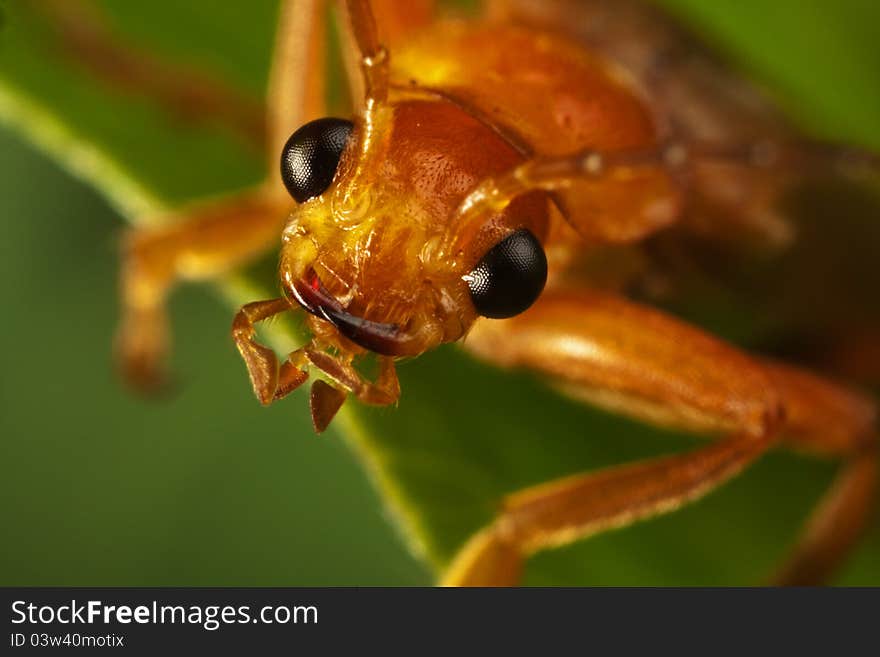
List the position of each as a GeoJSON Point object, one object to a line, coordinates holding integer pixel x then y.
{"type": "Point", "coordinates": [495, 194]}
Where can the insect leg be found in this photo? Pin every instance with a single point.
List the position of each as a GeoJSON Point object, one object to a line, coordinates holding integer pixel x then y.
{"type": "Point", "coordinates": [199, 243]}
{"type": "Point", "coordinates": [835, 525]}
{"type": "Point", "coordinates": [640, 362]}
{"type": "Point", "coordinates": [565, 510]}
{"type": "Point", "coordinates": [212, 238]}
{"type": "Point", "coordinates": [825, 418]}
{"type": "Point", "coordinates": [325, 399]}
{"type": "Point", "coordinates": [270, 381]}
{"type": "Point", "coordinates": [384, 391]}
{"type": "Point", "coordinates": [636, 361]}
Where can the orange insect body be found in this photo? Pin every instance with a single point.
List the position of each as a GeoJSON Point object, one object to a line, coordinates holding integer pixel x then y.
{"type": "Point", "coordinates": [376, 238]}
{"type": "Point", "coordinates": [550, 96]}
{"type": "Point", "coordinates": [478, 147]}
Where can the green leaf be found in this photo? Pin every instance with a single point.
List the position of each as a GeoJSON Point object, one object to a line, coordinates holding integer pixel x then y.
{"type": "Point", "coordinates": [463, 434]}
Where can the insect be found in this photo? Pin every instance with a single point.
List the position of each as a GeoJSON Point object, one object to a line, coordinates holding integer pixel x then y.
{"type": "Point", "coordinates": [483, 159]}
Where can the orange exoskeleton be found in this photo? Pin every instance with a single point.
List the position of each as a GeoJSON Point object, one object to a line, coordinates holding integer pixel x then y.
{"type": "Point", "coordinates": [482, 159]}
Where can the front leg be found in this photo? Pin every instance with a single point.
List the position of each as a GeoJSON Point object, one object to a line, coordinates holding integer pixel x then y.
{"type": "Point", "coordinates": [210, 239]}
{"type": "Point", "coordinates": [272, 381]}
{"type": "Point", "coordinates": [640, 362]}
{"type": "Point", "coordinates": [199, 243]}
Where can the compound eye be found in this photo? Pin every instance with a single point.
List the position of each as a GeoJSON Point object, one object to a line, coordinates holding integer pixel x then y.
{"type": "Point", "coordinates": [510, 277]}
{"type": "Point", "coordinates": [310, 157]}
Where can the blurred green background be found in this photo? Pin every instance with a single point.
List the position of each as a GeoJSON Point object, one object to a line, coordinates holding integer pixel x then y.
{"type": "Point", "coordinates": [207, 487]}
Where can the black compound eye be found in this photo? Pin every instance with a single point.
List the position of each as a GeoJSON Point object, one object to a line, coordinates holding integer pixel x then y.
{"type": "Point", "coordinates": [510, 277]}
{"type": "Point", "coordinates": [310, 157]}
